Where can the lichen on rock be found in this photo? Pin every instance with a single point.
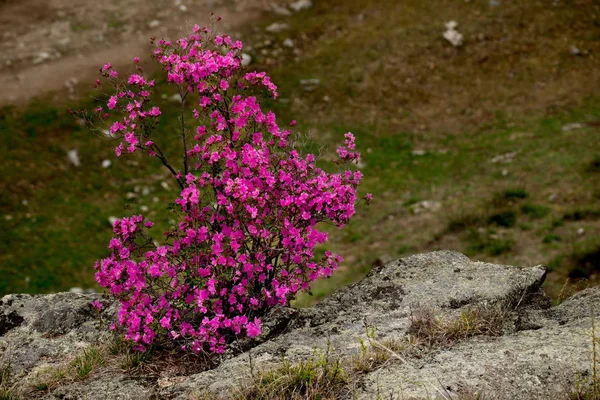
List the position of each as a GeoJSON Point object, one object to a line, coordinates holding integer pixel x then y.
{"type": "Point", "coordinates": [539, 352]}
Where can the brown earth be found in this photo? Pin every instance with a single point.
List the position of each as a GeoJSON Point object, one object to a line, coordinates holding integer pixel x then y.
{"type": "Point", "coordinates": [55, 45]}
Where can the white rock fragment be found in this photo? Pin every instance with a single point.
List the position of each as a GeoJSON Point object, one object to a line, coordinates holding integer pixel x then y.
{"type": "Point", "coordinates": [288, 43]}
{"type": "Point", "coordinates": [74, 157]}
{"type": "Point", "coordinates": [106, 163]}
{"type": "Point", "coordinates": [418, 152]}
{"type": "Point", "coordinates": [426, 206]}
{"type": "Point", "coordinates": [580, 232]}
{"type": "Point", "coordinates": [41, 57]}
{"type": "Point", "coordinates": [503, 158]}
{"type": "Point", "coordinates": [154, 23]}
{"type": "Point", "coordinates": [246, 59]}
{"type": "Point", "coordinates": [155, 199]}
{"type": "Point", "coordinates": [8, 217]}
{"type": "Point", "coordinates": [70, 84]}
{"type": "Point", "coordinates": [452, 35]}
{"type": "Point", "coordinates": [144, 208]}
{"type": "Point", "coordinates": [106, 133]}
{"type": "Point", "coordinates": [25, 202]}
{"type": "Point", "coordinates": [310, 84]}
{"type": "Point", "coordinates": [145, 191]}
{"type": "Point", "coordinates": [176, 98]}
{"type": "Point", "coordinates": [112, 220]}
{"type": "Point", "coordinates": [165, 185]}
{"type": "Point", "coordinates": [572, 127]}
{"type": "Point", "coordinates": [130, 195]}
{"type": "Point", "coordinates": [277, 27]}
{"type": "Point", "coordinates": [301, 5]}
{"type": "Point", "coordinates": [280, 10]}
{"type": "Point", "coordinates": [76, 290]}
{"type": "Point", "coordinates": [183, 8]}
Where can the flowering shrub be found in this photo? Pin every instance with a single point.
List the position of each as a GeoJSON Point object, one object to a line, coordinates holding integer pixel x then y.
{"type": "Point", "coordinates": [248, 207]}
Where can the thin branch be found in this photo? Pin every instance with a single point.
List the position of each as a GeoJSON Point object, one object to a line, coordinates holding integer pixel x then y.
{"type": "Point", "coordinates": [183, 132]}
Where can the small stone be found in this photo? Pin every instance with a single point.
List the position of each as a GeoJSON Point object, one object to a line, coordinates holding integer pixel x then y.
{"type": "Point", "coordinates": [288, 43]}
{"type": "Point", "coordinates": [451, 25]}
{"type": "Point", "coordinates": [155, 199]}
{"type": "Point", "coordinates": [8, 217]}
{"type": "Point", "coordinates": [112, 220]}
{"type": "Point", "coordinates": [553, 197]}
{"type": "Point", "coordinates": [165, 185]}
{"type": "Point", "coordinates": [301, 5]}
{"type": "Point", "coordinates": [246, 59]}
{"type": "Point", "coordinates": [176, 98]}
{"type": "Point", "coordinates": [145, 191]}
{"type": "Point", "coordinates": [130, 195]}
{"type": "Point", "coordinates": [418, 152]}
{"type": "Point", "coordinates": [25, 202]}
{"type": "Point", "coordinates": [73, 156]}
{"type": "Point", "coordinates": [504, 172]}
{"type": "Point", "coordinates": [580, 232]}
{"type": "Point", "coordinates": [90, 291]}
{"type": "Point", "coordinates": [144, 208]}
{"type": "Point", "coordinates": [276, 27]}
{"type": "Point", "coordinates": [70, 84]}
{"type": "Point", "coordinates": [41, 57]}
{"type": "Point", "coordinates": [183, 8]}
{"type": "Point", "coordinates": [107, 133]}
{"type": "Point", "coordinates": [574, 51]}
{"type": "Point", "coordinates": [572, 127]}
{"type": "Point", "coordinates": [106, 163]}
{"type": "Point", "coordinates": [426, 205]}
{"type": "Point", "coordinates": [279, 10]}
{"type": "Point", "coordinates": [76, 290]}
{"type": "Point", "coordinates": [310, 85]}
{"type": "Point", "coordinates": [503, 158]}
{"type": "Point", "coordinates": [154, 23]}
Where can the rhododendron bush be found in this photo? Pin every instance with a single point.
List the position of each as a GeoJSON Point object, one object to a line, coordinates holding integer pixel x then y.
{"type": "Point", "coordinates": [247, 212]}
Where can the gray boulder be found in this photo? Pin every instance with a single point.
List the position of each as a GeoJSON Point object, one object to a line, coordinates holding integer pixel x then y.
{"type": "Point", "coordinates": [539, 353]}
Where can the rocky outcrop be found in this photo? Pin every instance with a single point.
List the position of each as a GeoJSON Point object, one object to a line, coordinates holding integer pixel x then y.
{"type": "Point", "coordinates": [541, 352]}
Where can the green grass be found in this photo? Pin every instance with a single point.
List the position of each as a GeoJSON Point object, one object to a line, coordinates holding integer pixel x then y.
{"type": "Point", "coordinates": [388, 76]}
{"type": "Point", "coordinates": [535, 211]}
{"type": "Point", "coordinates": [319, 377]}
{"type": "Point", "coordinates": [517, 193]}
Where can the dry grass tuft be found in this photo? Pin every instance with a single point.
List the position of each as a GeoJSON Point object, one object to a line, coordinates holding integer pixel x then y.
{"type": "Point", "coordinates": [432, 329]}
{"type": "Point", "coordinates": [320, 377]}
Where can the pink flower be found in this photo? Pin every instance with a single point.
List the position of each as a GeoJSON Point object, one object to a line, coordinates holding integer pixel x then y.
{"type": "Point", "coordinates": [253, 328]}
{"type": "Point", "coordinates": [244, 231]}
{"type": "Point", "coordinates": [96, 305]}
{"type": "Point", "coordinates": [112, 102]}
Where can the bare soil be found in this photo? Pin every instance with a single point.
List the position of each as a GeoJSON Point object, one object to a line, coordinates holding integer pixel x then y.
{"type": "Point", "coordinates": [56, 45]}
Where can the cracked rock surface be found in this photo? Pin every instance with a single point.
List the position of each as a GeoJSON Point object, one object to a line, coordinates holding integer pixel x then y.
{"type": "Point", "coordinates": [540, 354]}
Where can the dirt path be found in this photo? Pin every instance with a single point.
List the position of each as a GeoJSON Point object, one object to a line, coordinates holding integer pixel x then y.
{"type": "Point", "coordinates": [58, 45]}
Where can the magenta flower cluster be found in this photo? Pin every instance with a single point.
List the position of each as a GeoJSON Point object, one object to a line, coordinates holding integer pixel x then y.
{"type": "Point", "coordinates": [248, 208]}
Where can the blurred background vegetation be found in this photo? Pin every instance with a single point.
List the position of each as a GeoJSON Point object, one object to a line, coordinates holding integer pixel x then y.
{"type": "Point", "coordinates": [490, 148]}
